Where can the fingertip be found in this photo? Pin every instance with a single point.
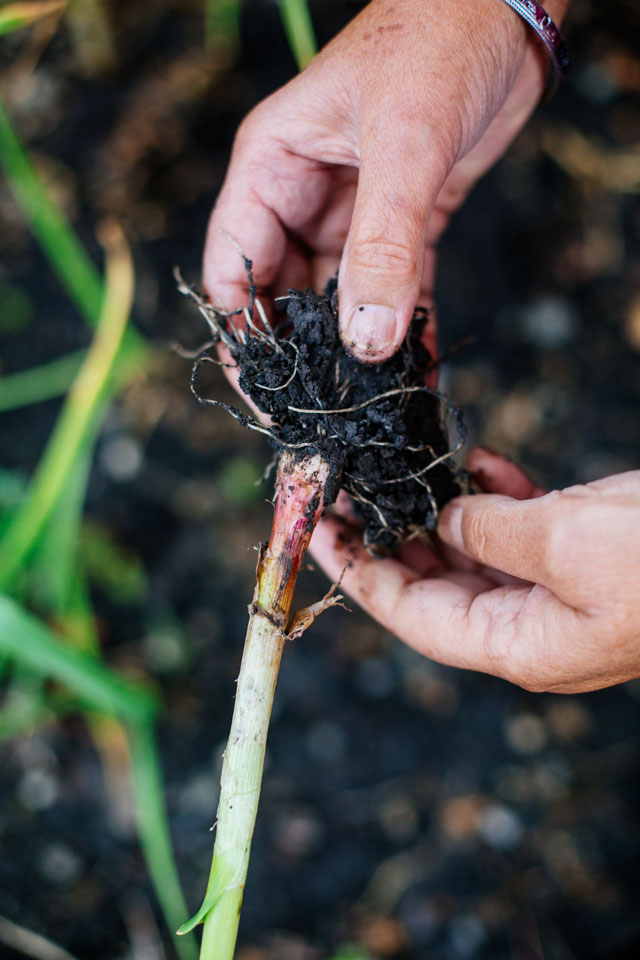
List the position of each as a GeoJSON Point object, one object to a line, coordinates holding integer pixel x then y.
{"type": "Point", "coordinates": [450, 523]}
{"type": "Point", "coordinates": [496, 473]}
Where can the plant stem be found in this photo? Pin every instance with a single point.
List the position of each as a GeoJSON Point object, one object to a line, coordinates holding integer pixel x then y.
{"type": "Point", "coordinates": [299, 502]}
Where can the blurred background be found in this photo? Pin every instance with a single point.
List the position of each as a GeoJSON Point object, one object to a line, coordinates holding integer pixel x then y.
{"type": "Point", "coordinates": [409, 811]}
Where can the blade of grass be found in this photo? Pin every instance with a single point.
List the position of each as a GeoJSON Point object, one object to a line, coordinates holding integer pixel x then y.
{"type": "Point", "coordinates": [77, 619]}
{"type": "Point", "coordinates": [27, 707]}
{"type": "Point", "coordinates": [66, 254]}
{"type": "Point", "coordinates": [27, 943]}
{"type": "Point", "coordinates": [14, 16]}
{"type": "Point", "coordinates": [153, 829]}
{"type": "Point", "coordinates": [39, 383]}
{"type": "Point", "coordinates": [29, 642]}
{"type": "Point", "coordinates": [82, 405]}
{"type": "Point", "coordinates": [23, 703]}
{"type": "Point", "coordinates": [222, 25]}
{"type": "Point", "coordinates": [299, 30]}
{"type": "Point", "coordinates": [53, 566]}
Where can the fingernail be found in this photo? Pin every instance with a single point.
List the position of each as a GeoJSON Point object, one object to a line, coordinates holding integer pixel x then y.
{"type": "Point", "coordinates": [450, 526]}
{"type": "Point", "coordinates": [371, 329]}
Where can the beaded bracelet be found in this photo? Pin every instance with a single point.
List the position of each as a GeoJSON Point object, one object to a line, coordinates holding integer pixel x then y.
{"type": "Point", "coordinates": [553, 40]}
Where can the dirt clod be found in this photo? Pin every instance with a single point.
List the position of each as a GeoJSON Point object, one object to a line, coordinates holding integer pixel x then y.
{"type": "Point", "coordinates": [383, 431]}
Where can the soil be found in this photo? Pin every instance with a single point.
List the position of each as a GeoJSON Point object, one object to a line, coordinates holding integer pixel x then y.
{"type": "Point", "coordinates": [416, 810]}
{"type": "Point", "coordinates": [378, 426]}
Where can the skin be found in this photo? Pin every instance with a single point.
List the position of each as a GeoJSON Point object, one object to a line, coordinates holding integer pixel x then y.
{"type": "Point", "coordinates": [360, 161]}
{"type": "Point", "coordinates": [540, 589]}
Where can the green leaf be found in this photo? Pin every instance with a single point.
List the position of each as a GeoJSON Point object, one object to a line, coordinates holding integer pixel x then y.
{"type": "Point", "coordinates": [58, 241]}
{"type": "Point", "coordinates": [29, 642]}
{"type": "Point", "coordinates": [351, 951]}
{"type": "Point", "coordinates": [24, 705]}
{"type": "Point", "coordinates": [299, 30]}
{"type": "Point", "coordinates": [16, 309]}
{"type": "Point", "coordinates": [222, 26]}
{"type": "Point", "coordinates": [114, 568]}
{"type": "Point", "coordinates": [219, 884]}
{"type": "Point", "coordinates": [53, 567]}
{"type": "Point", "coordinates": [82, 411]}
{"type": "Point", "coordinates": [239, 481]}
{"type": "Point", "coordinates": [13, 486]}
{"type": "Point", "coordinates": [153, 829]}
{"type": "Point", "coordinates": [39, 383]}
{"type": "Point", "coordinates": [209, 903]}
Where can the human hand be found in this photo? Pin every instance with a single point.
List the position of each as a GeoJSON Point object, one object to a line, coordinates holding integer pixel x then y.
{"type": "Point", "coordinates": [366, 154]}
{"type": "Point", "coordinates": [570, 623]}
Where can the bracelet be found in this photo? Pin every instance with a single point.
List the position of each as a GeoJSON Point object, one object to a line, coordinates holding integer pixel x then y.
{"type": "Point", "coordinates": [551, 37]}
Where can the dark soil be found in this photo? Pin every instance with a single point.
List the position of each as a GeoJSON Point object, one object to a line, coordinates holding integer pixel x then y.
{"type": "Point", "coordinates": [378, 426]}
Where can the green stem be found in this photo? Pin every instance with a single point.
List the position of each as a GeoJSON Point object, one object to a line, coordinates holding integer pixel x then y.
{"type": "Point", "coordinates": [299, 498]}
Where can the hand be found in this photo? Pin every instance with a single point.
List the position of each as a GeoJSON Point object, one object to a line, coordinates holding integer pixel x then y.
{"type": "Point", "coordinates": [421, 98]}
{"type": "Point", "coordinates": [570, 623]}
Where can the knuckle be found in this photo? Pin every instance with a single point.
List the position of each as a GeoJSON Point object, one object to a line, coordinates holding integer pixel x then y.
{"type": "Point", "coordinates": [246, 130]}
{"type": "Point", "coordinates": [254, 126]}
{"type": "Point", "coordinates": [396, 261]}
{"type": "Point", "coordinates": [474, 533]}
{"type": "Point", "coordinates": [552, 537]}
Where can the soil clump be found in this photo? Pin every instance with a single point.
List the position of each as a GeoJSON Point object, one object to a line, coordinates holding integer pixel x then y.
{"type": "Point", "coordinates": [383, 431]}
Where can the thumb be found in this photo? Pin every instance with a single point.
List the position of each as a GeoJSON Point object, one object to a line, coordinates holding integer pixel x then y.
{"type": "Point", "coordinates": [515, 536]}
{"type": "Point", "coordinates": [383, 258]}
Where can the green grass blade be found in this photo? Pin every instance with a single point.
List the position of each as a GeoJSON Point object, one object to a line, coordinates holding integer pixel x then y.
{"type": "Point", "coordinates": [77, 620]}
{"type": "Point", "coordinates": [82, 406]}
{"type": "Point", "coordinates": [67, 256]}
{"type": "Point", "coordinates": [27, 706]}
{"type": "Point", "coordinates": [30, 643]}
{"type": "Point", "coordinates": [222, 25]}
{"type": "Point", "coordinates": [14, 16]}
{"type": "Point", "coordinates": [53, 567]}
{"type": "Point", "coordinates": [153, 829]}
{"type": "Point", "coordinates": [23, 703]}
{"type": "Point", "coordinates": [39, 383]}
{"type": "Point", "coordinates": [299, 30]}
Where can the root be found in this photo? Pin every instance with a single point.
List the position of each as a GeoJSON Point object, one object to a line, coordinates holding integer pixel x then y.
{"type": "Point", "coordinates": [302, 619]}
{"type": "Point", "coordinates": [382, 429]}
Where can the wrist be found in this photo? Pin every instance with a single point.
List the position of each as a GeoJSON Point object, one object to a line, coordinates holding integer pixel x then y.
{"type": "Point", "coordinates": [544, 33]}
